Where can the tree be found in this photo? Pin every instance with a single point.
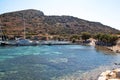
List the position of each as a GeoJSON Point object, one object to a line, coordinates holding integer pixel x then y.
{"type": "Point", "coordinates": [85, 35]}
{"type": "Point", "coordinates": [98, 36]}
{"type": "Point", "coordinates": [106, 38]}
{"type": "Point", "coordinates": [113, 39]}
{"type": "Point", "coordinates": [74, 37]}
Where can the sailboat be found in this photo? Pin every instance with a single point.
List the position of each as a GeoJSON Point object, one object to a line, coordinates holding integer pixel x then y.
{"type": "Point", "coordinates": [19, 42]}
{"type": "Point", "coordinates": [23, 41]}
{"type": "Point", "coordinates": [3, 41]}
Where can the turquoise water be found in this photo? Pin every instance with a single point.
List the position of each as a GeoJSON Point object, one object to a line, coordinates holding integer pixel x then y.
{"type": "Point", "coordinates": [51, 62]}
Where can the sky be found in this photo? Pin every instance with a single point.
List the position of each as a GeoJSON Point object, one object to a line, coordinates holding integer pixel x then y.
{"type": "Point", "coordinates": [105, 11]}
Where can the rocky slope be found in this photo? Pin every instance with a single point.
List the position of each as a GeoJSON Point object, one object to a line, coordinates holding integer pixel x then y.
{"type": "Point", "coordinates": [38, 23]}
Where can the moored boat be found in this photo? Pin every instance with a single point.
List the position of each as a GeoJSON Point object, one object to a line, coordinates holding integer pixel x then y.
{"type": "Point", "coordinates": [26, 42]}
{"type": "Point", "coordinates": [3, 43]}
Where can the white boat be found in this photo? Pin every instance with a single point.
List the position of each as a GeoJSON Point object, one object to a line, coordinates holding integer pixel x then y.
{"type": "Point", "coordinates": [24, 41]}
{"type": "Point", "coordinates": [18, 41]}
{"type": "Point", "coordinates": [2, 41]}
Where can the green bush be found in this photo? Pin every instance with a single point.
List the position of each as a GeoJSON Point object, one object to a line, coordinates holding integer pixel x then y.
{"type": "Point", "coordinates": [85, 35]}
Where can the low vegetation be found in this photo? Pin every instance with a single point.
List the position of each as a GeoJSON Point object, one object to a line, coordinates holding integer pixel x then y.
{"type": "Point", "coordinates": [106, 39]}
{"type": "Point", "coordinates": [85, 35]}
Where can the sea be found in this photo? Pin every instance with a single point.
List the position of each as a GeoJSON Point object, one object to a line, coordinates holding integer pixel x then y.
{"type": "Point", "coordinates": [54, 62]}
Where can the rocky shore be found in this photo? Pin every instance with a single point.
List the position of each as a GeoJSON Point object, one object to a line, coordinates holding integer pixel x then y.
{"type": "Point", "coordinates": [110, 75]}
{"type": "Point", "coordinates": [115, 48]}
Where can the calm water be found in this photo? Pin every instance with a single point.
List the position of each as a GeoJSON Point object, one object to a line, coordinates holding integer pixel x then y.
{"type": "Point", "coordinates": [58, 62]}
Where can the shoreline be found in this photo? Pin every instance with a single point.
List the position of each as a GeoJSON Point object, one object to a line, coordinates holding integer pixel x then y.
{"type": "Point", "coordinates": [110, 75]}
{"type": "Point", "coordinates": [115, 48]}
{"type": "Point", "coordinates": [112, 49]}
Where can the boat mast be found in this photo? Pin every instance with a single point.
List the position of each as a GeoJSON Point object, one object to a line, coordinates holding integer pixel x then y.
{"type": "Point", "coordinates": [0, 30]}
{"type": "Point", "coordinates": [24, 34]}
{"type": "Point", "coordinates": [2, 35]}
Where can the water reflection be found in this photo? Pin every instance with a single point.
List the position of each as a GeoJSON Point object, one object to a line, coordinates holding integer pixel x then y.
{"type": "Point", "coordinates": [105, 51]}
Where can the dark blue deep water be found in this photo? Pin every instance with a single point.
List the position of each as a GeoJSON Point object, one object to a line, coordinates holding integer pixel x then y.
{"type": "Point", "coordinates": [54, 62]}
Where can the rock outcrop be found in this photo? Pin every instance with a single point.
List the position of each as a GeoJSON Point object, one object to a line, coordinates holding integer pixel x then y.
{"type": "Point", "coordinates": [110, 75]}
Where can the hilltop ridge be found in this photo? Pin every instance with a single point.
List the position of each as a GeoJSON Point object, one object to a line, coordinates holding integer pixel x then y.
{"type": "Point", "coordinates": [38, 23]}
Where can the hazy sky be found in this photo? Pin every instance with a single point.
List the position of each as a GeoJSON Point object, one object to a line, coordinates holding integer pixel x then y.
{"type": "Point", "coordinates": [104, 11]}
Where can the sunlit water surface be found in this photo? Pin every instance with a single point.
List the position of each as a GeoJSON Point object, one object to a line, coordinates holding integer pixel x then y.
{"type": "Point", "coordinates": [56, 62]}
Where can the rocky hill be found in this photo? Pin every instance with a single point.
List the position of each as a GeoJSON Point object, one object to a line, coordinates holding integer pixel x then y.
{"type": "Point", "coordinates": [37, 23]}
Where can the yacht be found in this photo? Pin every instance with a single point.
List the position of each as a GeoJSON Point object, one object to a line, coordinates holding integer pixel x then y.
{"type": "Point", "coordinates": [18, 41]}
{"type": "Point", "coordinates": [2, 39]}
{"type": "Point", "coordinates": [24, 41]}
